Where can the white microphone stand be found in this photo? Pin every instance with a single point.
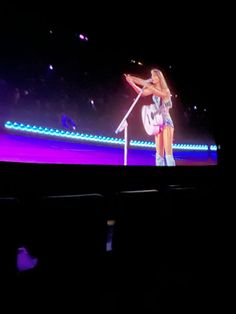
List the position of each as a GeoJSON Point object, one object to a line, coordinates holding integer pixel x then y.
{"type": "Point", "coordinates": [123, 126]}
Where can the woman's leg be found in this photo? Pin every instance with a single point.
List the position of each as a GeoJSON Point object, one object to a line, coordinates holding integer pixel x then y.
{"type": "Point", "coordinates": [159, 150]}
{"type": "Point", "coordinates": [168, 135]}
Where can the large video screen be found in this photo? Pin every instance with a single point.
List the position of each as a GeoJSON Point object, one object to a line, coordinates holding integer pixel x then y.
{"type": "Point", "coordinates": [74, 96]}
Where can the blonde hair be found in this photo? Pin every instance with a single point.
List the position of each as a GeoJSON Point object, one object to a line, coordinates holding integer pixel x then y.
{"type": "Point", "coordinates": [161, 78]}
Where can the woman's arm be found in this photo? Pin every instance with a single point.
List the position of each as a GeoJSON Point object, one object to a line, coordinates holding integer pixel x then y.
{"type": "Point", "coordinates": [149, 88]}
{"type": "Point", "coordinates": [146, 91]}
{"type": "Point", "coordinates": [164, 93]}
{"type": "Point", "coordinates": [138, 80]}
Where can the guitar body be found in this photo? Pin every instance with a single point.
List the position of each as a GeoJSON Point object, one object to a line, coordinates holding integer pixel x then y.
{"type": "Point", "coordinates": [152, 119]}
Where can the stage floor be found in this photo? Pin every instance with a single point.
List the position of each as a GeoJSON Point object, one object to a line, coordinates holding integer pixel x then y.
{"type": "Point", "coordinates": [30, 149]}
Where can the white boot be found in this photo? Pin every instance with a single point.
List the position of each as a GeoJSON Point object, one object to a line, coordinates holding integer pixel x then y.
{"type": "Point", "coordinates": [170, 160]}
{"type": "Point", "coordinates": [159, 160]}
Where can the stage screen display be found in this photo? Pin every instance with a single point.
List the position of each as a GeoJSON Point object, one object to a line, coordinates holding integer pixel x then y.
{"type": "Point", "coordinates": [74, 96]}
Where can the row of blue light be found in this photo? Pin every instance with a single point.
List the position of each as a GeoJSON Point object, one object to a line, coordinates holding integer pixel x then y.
{"type": "Point", "coordinates": [98, 139]}
{"type": "Point", "coordinates": [63, 134]}
{"type": "Point", "coordinates": [175, 146]}
{"type": "Point", "coordinates": [213, 148]}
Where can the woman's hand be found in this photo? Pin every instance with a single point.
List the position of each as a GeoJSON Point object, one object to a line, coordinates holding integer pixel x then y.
{"type": "Point", "coordinates": [128, 78]}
